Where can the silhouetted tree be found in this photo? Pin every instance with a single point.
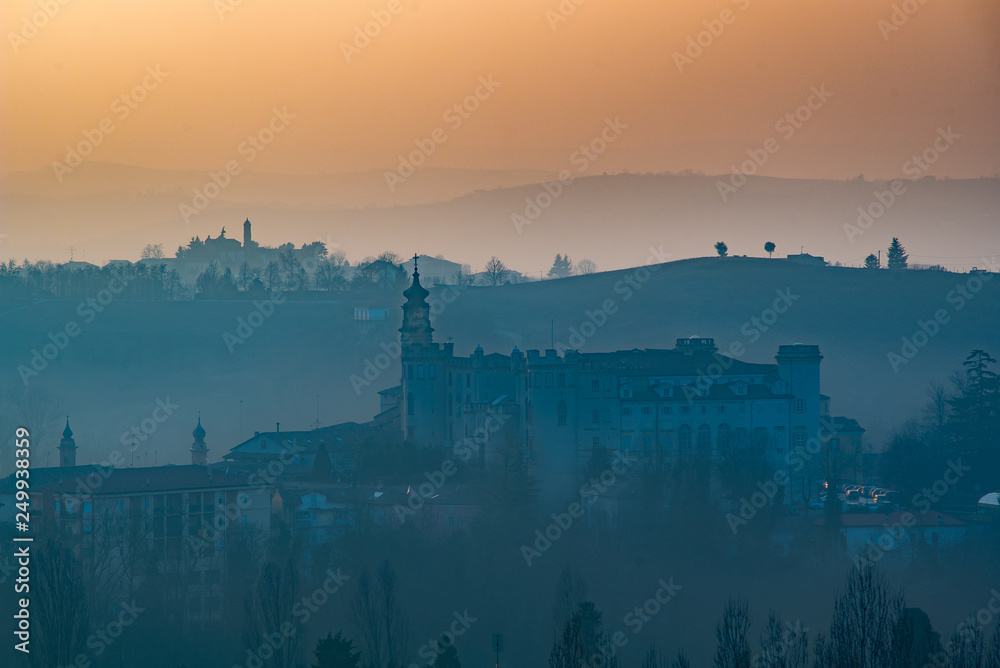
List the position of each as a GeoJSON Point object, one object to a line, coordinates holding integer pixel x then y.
{"type": "Point", "coordinates": [336, 652]}
{"type": "Point", "coordinates": [721, 248]}
{"type": "Point", "coordinates": [732, 635]}
{"type": "Point", "coordinates": [582, 642]}
{"type": "Point", "coordinates": [377, 614]}
{"type": "Point", "coordinates": [865, 619]}
{"type": "Point", "coordinates": [561, 267]}
{"type": "Point", "coordinates": [652, 659]}
{"type": "Point", "coordinates": [586, 267]}
{"type": "Point", "coordinates": [769, 248]}
{"type": "Point", "coordinates": [448, 658]}
{"type": "Point", "coordinates": [872, 261]}
{"type": "Point", "coordinates": [896, 256]}
{"type": "Point", "coordinates": [496, 271]}
{"type": "Point", "coordinates": [681, 661]}
{"type": "Point", "coordinates": [152, 252]}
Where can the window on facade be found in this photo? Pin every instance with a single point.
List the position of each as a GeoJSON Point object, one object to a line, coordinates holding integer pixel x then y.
{"type": "Point", "coordinates": [722, 410]}
{"type": "Point", "coordinates": [704, 437]}
{"type": "Point", "coordinates": [451, 520]}
{"type": "Point", "coordinates": [561, 413]}
{"type": "Point", "coordinates": [723, 437]}
{"type": "Point", "coordinates": [449, 379]}
{"type": "Point", "coordinates": [799, 438]}
{"type": "Point", "coordinates": [549, 379]}
{"type": "Point", "coordinates": [595, 386]}
{"type": "Point", "coordinates": [409, 372]}
{"type": "Point", "coordinates": [646, 410]}
{"type": "Point", "coordinates": [666, 410]}
{"type": "Point", "coordinates": [468, 380]}
{"type": "Point", "coordinates": [561, 380]}
{"type": "Point", "coordinates": [684, 437]}
{"type": "Point", "coordinates": [595, 442]}
{"type": "Point", "coordinates": [409, 403]}
{"type": "Point", "coordinates": [595, 416]}
{"type": "Point", "coordinates": [86, 506]}
{"type": "Point", "coordinates": [685, 410]}
{"type": "Point", "coordinates": [704, 409]}
{"type": "Point", "coordinates": [431, 371]}
{"type": "Point", "coordinates": [420, 371]}
{"type": "Point", "coordinates": [626, 411]}
{"type": "Point", "coordinates": [800, 405]}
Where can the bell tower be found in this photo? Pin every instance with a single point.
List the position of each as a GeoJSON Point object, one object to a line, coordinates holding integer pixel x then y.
{"type": "Point", "coordinates": [199, 451]}
{"type": "Point", "coordinates": [67, 447]}
{"type": "Point", "coordinates": [416, 329]}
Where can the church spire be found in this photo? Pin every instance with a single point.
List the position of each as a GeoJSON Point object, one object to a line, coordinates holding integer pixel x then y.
{"type": "Point", "coordinates": [416, 329]}
{"type": "Point", "coordinates": [199, 451]}
{"type": "Point", "coordinates": [67, 447]}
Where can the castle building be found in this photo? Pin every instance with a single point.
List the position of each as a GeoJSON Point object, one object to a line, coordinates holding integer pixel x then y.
{"type": "Point", "coordinates": [563, 407]}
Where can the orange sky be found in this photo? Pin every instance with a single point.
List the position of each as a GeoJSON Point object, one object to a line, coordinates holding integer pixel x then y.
{"type": "Point", "coordinates": [227, 70]}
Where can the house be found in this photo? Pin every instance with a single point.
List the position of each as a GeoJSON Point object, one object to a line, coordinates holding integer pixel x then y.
{"type": "Point", "coordinates": [898, 536]}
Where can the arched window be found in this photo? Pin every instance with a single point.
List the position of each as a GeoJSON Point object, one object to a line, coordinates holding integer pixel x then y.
{"type": "Point", "coordinates": [724, 437]}
{"type": "Point", "coordinates": [561, 413]}
{"type": "Point", "coordinates": [684, 437]}
{"type": "Point", "coordinates": [704, 438]}
{"type": "Point", "coordinates": [409, 403]}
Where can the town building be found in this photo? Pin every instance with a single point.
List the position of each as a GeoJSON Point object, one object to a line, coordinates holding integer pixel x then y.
{"type": "Point", "coordinates": [565, 407]}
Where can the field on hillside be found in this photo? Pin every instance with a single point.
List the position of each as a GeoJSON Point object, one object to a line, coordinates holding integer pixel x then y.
{"type": "Point", "coordinates": [110, 376]}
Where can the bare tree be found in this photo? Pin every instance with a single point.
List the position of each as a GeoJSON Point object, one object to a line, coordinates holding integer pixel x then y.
{"type": "Point", "coordinates": [865, 619]}
{"type": "Point", "coordinates": [247, 277]}
{"type": "Point", "coordinates": [271, 276]}
{"type": "Point", "coordinates": [59, 604]}
{"type": "Point", "coordinates": [586, 266]}
{"type": "Point", "coordinates": [732, 634]}
{"type": "Point", "coordinates": [966, 647]}
{"type": "Point", "coordinates": [937, 407]}
{"type": "Point", "coordinates": [463, 275]}
{"type": "Point", "coordinates": [268, 607]}
{"type": "Point", "coordinates": [496, 271]}
{"type": "Point", "coordinates": [378, 617]}
{"type": "Point", "coordinates": [773, 649]}
{"type": "Point", "coordinates": [152, 252]}
{"type": "Point", "coordinates": [570, 593]}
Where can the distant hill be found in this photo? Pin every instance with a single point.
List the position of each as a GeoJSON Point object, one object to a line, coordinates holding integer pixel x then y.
{"type": "Point", "coordinates": [111, 212]}
{"type": "Point", "coordinates": [134, 353]}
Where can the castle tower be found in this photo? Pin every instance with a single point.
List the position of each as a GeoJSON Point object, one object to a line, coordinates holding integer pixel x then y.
{"type": "Point", "coordinates": [416, 329]}
{"type": "Point", "coordinates": [247, 241]}
{"type": "Point", "coordinates": [67, 447]}
{"type": "Point", "coordinates": [199, 451]}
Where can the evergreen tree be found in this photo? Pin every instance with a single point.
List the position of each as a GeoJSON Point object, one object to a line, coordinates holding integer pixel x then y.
{"type": "Point", "coordinates": [336, 652]}
{"type": "Point", "coordinates": [896, 257]}
{"type": "Point", "coordinates": [562, 267]}
{"type": "Point", "coordinates": [872, 262]}
{"type": "Point", "coordinates": [448, 658]}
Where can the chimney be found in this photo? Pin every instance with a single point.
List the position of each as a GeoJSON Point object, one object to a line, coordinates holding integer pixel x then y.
{"type": "Point", "coordinates": [277, 427]}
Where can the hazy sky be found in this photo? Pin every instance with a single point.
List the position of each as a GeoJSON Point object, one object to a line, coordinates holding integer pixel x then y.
{"type": "Point", "coordinates": [227, 64]}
